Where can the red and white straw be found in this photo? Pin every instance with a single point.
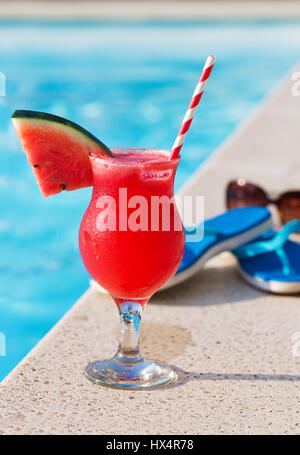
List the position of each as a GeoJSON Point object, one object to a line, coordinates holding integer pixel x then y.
{"type": "Point", "coordinates": [210, 61]}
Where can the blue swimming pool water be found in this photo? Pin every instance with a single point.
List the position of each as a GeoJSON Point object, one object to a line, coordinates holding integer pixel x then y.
{"type": "Point", "coordinates": [130, 85]}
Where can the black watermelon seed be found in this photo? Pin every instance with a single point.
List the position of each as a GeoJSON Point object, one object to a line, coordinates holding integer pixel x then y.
{"type": "Point", "coordinates": [64, 186]}
{"type": "Point", "coordinates": [36, 165]}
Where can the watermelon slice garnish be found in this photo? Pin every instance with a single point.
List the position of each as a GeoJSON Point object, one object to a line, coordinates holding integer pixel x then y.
{"type": "Point", "coordinates": [58, 150]}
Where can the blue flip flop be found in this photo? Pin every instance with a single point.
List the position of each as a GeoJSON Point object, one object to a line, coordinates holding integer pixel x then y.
{"type": "Point", "coordinates": [272, 262]}
{"type": "Point", "coordinates": [224, 232]}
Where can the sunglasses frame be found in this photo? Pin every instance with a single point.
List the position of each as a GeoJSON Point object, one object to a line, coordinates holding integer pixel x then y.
{"type": "Point", "coordinates": [277, 201]}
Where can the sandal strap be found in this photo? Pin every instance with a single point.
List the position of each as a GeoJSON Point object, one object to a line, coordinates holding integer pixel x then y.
{"type": "Point", "coordinates": [266, 246]}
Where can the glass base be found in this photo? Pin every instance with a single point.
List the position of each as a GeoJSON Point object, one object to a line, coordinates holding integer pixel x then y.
{"type": "Point", "coordinates": [129, 374]}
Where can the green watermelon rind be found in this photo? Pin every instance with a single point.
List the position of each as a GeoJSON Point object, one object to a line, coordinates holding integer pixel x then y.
{"type": "Point", "coordinates": [36, 115]}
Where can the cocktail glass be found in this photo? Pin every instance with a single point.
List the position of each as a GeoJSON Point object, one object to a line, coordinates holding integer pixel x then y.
{"type": "Point", "coordinates": [131, 241]}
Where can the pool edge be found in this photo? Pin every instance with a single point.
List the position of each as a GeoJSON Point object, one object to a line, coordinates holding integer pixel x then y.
{"type": "Point", "coordinates": [149, 10]}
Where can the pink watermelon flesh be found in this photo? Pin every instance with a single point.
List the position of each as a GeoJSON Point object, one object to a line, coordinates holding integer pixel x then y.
{"type": "Point", "coordinates": [58, 154]}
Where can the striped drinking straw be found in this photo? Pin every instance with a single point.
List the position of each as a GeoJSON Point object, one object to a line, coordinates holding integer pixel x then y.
{"type": "Point", "coordinates": [210, 61]}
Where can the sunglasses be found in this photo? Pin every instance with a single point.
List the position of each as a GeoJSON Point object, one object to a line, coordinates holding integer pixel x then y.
{"type": "Point", "coordinates": [240, 193]}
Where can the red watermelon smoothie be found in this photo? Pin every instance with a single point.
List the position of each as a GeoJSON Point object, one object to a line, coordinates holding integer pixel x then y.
{"type": "Point", "coordinates": [131, 240]}
{"type": "Point", "coordinates": [134, 256]}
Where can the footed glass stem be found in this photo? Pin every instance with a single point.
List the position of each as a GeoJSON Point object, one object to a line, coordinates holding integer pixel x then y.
{"type": "Point", "coordinates": [128, 369]}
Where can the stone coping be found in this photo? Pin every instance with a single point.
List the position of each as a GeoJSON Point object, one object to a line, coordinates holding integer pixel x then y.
{"type": "Point", "coordinates": [145, 10]}
{"type": "Point", "coordinates": [234, 347]}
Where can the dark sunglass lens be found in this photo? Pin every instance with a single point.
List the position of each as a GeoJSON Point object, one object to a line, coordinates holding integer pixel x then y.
{"type": "Point", "coordinates": [241, 193]}
{"type": "Point", "coordinates": [289, 206]}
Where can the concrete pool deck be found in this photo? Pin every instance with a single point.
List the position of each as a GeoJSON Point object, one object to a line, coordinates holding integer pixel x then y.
{"type": "Point", "coordinates": [235, 349]}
